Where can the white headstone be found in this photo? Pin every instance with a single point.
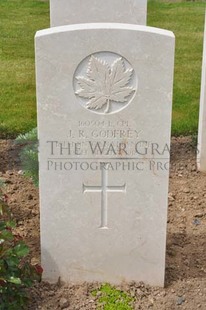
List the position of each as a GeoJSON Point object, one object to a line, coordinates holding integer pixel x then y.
{"type": "Point", "coordinates": [201, 155]}
{"type": "Point", "coordinates": [104, 116]}
{"type": "Point", "coordinates": [65, 12]}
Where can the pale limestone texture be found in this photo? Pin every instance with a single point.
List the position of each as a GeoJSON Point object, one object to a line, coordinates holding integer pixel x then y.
{"type": "Point", "coordinates": [66, 12]}
{"type": "Point", "coordinates": [201, 155]}
{"type": "Point", "coordinates": [104, 96]}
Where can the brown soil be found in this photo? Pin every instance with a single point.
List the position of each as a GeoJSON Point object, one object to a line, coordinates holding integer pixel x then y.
{"type": "Point", "coordinates": [186, 242]}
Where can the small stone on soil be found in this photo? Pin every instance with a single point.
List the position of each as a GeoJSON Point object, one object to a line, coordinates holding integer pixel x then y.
{"type": "Point", "coordinates": [63, 303]}
{"type": "Point", "coordinates": [196, 222]}
{"type": "Point", "coordinates": [186, 190]}
{"type": "Point", "coordinates": [180, 300]}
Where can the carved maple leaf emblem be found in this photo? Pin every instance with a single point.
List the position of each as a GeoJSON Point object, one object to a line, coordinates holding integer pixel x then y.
{"type": "Point", "coordinates": [105, 83]}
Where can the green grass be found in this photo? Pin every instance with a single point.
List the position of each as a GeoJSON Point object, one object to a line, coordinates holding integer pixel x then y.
{"type": "Point", "coordinates": [186, 20]}
{"type": "Point", "coordinates": [20, 19]}
{"type": "Point", "coordinates": [109, 298]}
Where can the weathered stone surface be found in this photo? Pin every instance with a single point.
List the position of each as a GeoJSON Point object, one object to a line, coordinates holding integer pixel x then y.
{"type": "Point", "coordinates": [104, 115]}
{"type": "Point", "coordinates": [201, 155]}
{"type": "Point", "coordinates": [65, 12]}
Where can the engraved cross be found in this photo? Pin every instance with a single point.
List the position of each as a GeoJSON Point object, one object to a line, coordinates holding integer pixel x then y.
{"type": "Point", "coordinates": [104, 189]}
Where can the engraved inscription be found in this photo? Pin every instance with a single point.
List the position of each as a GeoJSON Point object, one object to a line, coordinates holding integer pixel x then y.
{"type": "Point", "coordinates": [105, 85]}
{"type": "Point", "coordinates": [104, 189]}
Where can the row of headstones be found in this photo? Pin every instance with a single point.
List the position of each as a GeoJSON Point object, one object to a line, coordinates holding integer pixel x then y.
{"type": "Point", "coordinates": [104, 92]}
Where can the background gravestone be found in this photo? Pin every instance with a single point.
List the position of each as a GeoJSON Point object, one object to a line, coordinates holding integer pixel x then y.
{"type": "Point", "coordinates": [104, 120]}
{"type": "Point", "coordinates": [201, 157]}
{"type": "Point", "coordinates": [65, 12]}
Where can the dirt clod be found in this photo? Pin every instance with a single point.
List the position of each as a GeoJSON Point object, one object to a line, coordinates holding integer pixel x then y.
{"type": "Point", "coordinates": [63, 303]}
